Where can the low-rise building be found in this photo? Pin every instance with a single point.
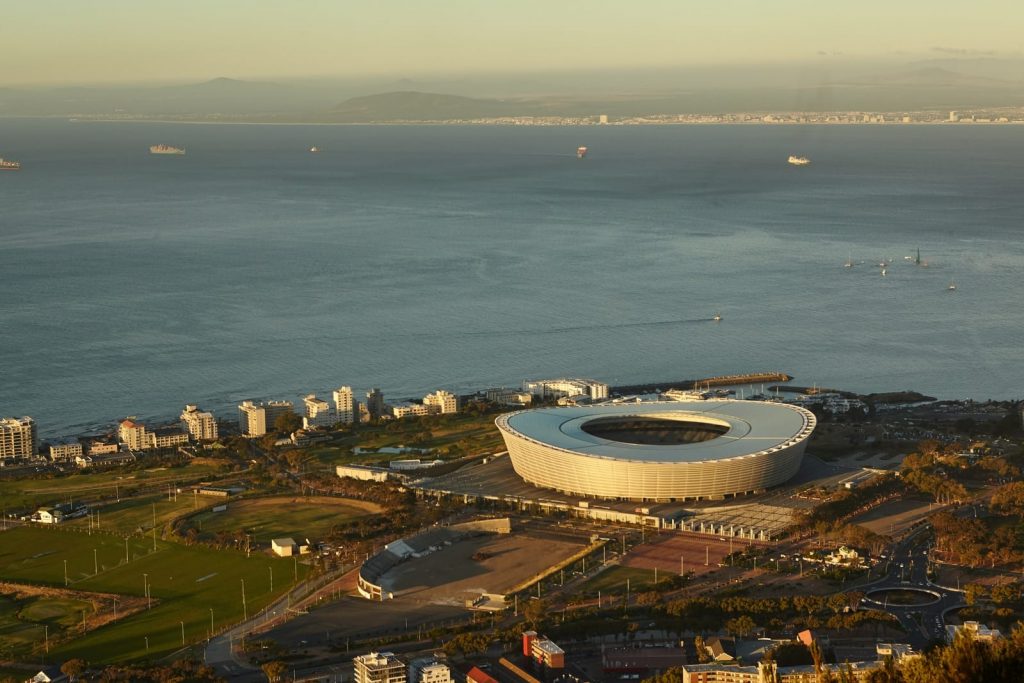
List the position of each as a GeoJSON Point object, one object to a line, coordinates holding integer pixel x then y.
{"type": "Point", "coordinates": [283, 547]}
{"type": "Point", "coordinates": [65, 451]}
{"type": "Point", "coordinates": [168, 437]}
{"type": "Point", "coordinates": [406, 409]}
{"type": "Point", "coordinates": [844, 556]}
{"type": "Point", "coordinates": [100, 447]}
{"type": "Point", "coordinates": [546, 652]}
{"type": "Point", "coordinates": [508, 397]}
{"type": "Point", "coordinates": [567, 387]}
{"type": "Point", "coordinates": [974, 629]}
{"type": "Point", "coordinates": [362, 472]}
{"type": "Point", "coordinates": [133, 434]}
{"type": "Point", "coordinates": [476, 675]}
{"type": "Point", "coordinates": [50, 515]}
{"type": "Point", "coordinates": [319, 413]}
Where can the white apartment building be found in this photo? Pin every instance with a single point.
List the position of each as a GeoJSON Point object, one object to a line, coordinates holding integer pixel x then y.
{"type": "Point", "coordinates": [344, 405]}
{"type": "Point", "coordinates": [567, 387]}
{"type": "Point", "coordinates": [65, 451]}
{"type": "Point", "coordinates": [200, 425]}
{"type": "Point", "coordinates": [429, 670]}
{"type": "Point", "coordinates": [256, 419]}
{"type": "Point", "coordinates": [509, 397]}
{"type": "Point", "coordinates": [404, 409]}
{"type": "Point", "coordinates": [319, 413]}
{"type": "Point", "coordinates": [379, 667]}
{"type": "Point", "coordinates": [133, 435]}
{"type": "Point", "coordinates": [136, 437]}
{"type": "Point", "coordinates": [17, 437]}
{"type": "Point", "coordinates": [443, 401]}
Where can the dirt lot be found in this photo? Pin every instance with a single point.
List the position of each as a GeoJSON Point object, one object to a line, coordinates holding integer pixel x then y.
{"type": "Point", "coordinates": [665, 552]}
{"type": "Point", "coordinates": [451, 575]}
{"type": "Point", "coordinates": [895, 516]}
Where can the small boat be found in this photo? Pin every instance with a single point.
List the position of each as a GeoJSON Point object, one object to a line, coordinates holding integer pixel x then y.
{"type": "Point", "coordinates": [314, 149]}
{"type": "Point", "coordinates": [883, 272]}
{"type": "Point", "coordinates": [167, 149]}
{"type": "Point", "coordinates": [8, 165]}
{"type": "Point", "coordinates": [581, 152]}
{"type": "Point", "coordinates": [717, 317]}
{"type": "Point", "coordinates": [849, 262]}
{"type": "Point", "coordinates": [798, 161]}
{"type": "Point", "coordinates": [951, 287]}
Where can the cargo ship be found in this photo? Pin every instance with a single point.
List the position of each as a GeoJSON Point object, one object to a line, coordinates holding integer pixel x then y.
{"type": "Point", "coordinates": [6, 165]}
{"type": "Point", "coordinates": [166, 149]}
{"type": "Point", "coordinates": [581, 152]}
{"type": "Point", "coordinates": [799, 161]}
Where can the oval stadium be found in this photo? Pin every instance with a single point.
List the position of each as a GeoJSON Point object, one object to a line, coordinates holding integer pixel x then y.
{"type": "Point", "coordinates": [659, 451]}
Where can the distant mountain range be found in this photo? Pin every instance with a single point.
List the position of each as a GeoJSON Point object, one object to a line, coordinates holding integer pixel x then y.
{"type": "Point", "coordinates": [924, 86]}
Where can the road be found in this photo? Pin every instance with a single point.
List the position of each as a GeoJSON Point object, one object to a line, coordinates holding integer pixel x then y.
{"type": "Point", "coordinates": [907, 569]}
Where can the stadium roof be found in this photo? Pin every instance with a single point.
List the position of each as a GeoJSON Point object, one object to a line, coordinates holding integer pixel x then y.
{"type": "Point", "coordinates": [750, 427]}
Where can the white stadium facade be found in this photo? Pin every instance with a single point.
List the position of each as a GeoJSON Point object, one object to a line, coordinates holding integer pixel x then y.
{"type": "Point", "coordinates": [658, 451]}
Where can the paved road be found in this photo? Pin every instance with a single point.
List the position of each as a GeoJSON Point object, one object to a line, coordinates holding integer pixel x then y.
{"type": "Point", "coordinates": [908, 569]}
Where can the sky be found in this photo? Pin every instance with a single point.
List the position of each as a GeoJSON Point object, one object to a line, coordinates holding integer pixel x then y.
{"type": "Point", "coordinates": [112, 41]}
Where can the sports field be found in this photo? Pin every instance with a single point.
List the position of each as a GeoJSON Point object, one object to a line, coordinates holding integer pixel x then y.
{"type": "Point", "coordinates": [136, 515]}
{"type": "Point", "coordinates": [30, 493]}
{"type": "Point", "coordinates": [697, 553]}
{"type": "Point", "coordinates": [188, 585]}
{"type": "Point", "coordinates": [281, 516]}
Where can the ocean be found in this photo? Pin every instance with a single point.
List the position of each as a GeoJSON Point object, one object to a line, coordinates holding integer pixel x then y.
{"type": "Point", "coordinates": [413, 258]}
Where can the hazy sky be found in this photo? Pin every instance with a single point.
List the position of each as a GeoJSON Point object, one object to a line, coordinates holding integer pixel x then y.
{"type": "Point", "coordinates": [67, 41]}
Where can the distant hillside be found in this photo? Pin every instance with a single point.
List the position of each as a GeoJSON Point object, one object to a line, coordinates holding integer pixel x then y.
{"type": "Point", "coordinates": [423, 106]}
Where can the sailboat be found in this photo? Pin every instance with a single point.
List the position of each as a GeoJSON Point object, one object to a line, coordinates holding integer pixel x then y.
{"type": "Point", "coordinates": [951, 287]}
{"type": "Point", "coordinates": [849, 262]}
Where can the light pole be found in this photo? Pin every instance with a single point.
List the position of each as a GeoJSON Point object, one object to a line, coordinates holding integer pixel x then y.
{"type": "Point", "coordinates": [147, 643]}
{"type": "Point", "coordinates": [245, 611]}
{"type": "Point", "coordinates": [95, 563]}
{"type": "Point", "coordinates": [211, 622]}
{"type": "Point", "coordinates": [145, 586]}
{"type": "Point", "coordinates": [126, 557]}
{"type": "Point", "coordinates": [65, 573]}
{"type": "Point", "coordinates": [271, 579]}
{"type": "Point", "coordinates": [682, 567]}
{"type": "Point", "coordinates": [182, 633]}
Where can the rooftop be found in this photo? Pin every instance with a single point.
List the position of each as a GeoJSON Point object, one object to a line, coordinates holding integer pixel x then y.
{"type": "Point", "coordinates": [733, 429]}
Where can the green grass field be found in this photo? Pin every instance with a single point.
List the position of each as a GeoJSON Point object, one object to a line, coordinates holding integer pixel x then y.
{"type": "Point", "coordinates": [471, 434]}
{"type": "Point", "coordinates": [30, 493]}
{"type": "Point", "coordinates": [613, 580]}
{"type": "Point", "coordinates": [281, 516]}
{"type": "Point", "coordinates": [136, 514]}
{"type": "Point", "coordinates": [185, 583]}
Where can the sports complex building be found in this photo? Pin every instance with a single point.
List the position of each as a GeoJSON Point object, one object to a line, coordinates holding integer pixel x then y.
{"type": "Point", "coordinates": [658, 451]}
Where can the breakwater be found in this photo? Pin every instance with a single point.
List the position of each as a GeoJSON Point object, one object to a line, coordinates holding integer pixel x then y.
{"type": "Point", "coordinates": [718, 381]}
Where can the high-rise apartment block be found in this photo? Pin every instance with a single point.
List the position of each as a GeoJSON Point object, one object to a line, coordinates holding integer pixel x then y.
{"type": "Point", "coordinates": [17, 437]}
{"type": "Point", "coordinates": [375, 403]}
{"type": "Point", "coordinates": [379, 667]}
{"type": "Point", "coordinates": [256, 419]}
{"type": "Point", "coordinates": [201, 425]}
{"type": "Point", "coordinates": [319, 413]}
{"type": "Point", "coordinates": [442, 402]}
{"type": "Point", "coordinates": [344, 405]}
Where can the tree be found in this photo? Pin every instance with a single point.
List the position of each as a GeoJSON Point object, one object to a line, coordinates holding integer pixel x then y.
{"type": "Point", "coordinates": [742, 626]}
{"type": "Point", "coordinates": [702, 651]}
{"type": "Point", "coordinates": [73, 668]}
{"type": "Point", "coordinates": [274, 670]}
{"type": "Point", "coordinates": [286, 423]}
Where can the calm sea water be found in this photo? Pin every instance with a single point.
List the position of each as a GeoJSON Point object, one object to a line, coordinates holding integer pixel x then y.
{"type": "Point", "coordinates": [413, 258]}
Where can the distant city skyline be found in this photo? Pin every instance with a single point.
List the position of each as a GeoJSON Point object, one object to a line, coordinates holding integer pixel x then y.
{"type": "Point", "coordinates": [115, 41]}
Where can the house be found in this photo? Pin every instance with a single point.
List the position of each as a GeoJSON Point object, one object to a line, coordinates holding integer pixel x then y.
{"type": "Point", "coordinates": [284, 547]}
{"type": "Point", "coordinates": [51, 674]}
{"type": "Point", "coordinates": [721, 649]}
{"type": "Point", "coordinates": [50, 515]}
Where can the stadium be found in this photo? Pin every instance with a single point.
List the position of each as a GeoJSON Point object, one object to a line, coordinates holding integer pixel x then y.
{"type": "Point", "coordinates": [659, 451]}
